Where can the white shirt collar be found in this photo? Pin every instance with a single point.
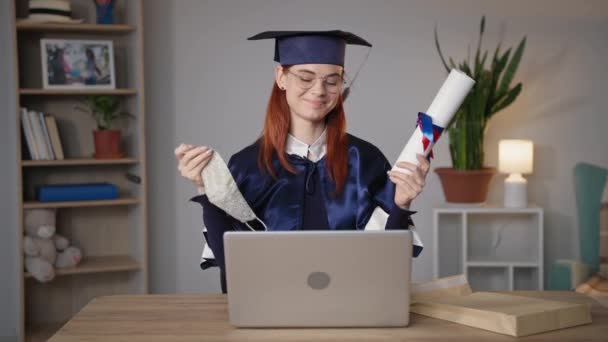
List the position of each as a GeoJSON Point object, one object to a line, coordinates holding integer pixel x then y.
{"type": "Point", "coordinates": [317, 149]}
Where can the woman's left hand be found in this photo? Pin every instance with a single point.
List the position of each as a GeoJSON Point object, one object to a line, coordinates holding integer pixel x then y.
{"type": "Point", "coordinates": [409, 186]}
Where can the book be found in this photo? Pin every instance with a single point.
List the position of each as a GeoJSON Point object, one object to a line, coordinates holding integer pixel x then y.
{"type": "Point", "coordinates": [25, 150]}
{"type": "Point", "coordinates": [29, 134]}
{"type": "Point", "coordinates": [38, 135]}
{"type": "Point", "coordinates": [45, 136]}
{"type": "Point", "coordinates": [51, 124]}
{"type": "Point", "coordinates": [76, 192]}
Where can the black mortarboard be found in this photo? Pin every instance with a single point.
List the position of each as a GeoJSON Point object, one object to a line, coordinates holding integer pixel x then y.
{"type": "Point", "coordinates": [310, 47]}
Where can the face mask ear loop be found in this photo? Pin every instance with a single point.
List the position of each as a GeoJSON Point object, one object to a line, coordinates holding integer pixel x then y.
{"type": "Point", "coordinates": [247, 224]}
{"type": "Point", "coordinates": [262, 222]}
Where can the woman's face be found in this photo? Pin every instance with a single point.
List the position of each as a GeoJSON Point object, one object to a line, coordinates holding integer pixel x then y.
{"type": "Point", "coordinates": [312, 90]}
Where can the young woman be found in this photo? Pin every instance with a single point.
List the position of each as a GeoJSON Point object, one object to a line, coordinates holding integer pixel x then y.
{"type": "Point", "coordinates": [305, 171]}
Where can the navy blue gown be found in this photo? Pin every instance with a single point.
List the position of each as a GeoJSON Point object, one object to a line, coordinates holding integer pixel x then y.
{"type": "Point", "coordinates": [307, 199]}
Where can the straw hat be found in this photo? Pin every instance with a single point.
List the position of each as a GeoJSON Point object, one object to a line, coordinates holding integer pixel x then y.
{"type": "Point", "coordinates": [51, 11]}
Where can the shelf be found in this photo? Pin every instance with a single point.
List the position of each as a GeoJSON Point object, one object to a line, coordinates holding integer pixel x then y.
{"type": "Point", "coordinates": [75, 204]}
{"type": "Point", "coordinates": [485, 209]}
{"type": "Point", "coordinates": [99, 264]}
{"type": "Point", "coordinates": [489, 278]}
{"type": "Point", "coordinates": [38, 91]}
{"type": "Point", "coordinates": [502, 264]}
{"type": "Point", "coordinates": [83, 28]}
{"type": "Point", "coordinates": [78, 162]}
{"type": "Point", "coordinates": [493, 245]}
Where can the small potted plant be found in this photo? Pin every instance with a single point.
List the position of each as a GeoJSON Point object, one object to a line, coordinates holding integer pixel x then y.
{"type": "Point", "coordinates": [106, 110]}
{"type": "Point", "coordinates": [468, 179]}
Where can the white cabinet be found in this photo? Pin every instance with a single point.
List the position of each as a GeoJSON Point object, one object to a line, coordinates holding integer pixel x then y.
{"type": "Point", "coordinates": [497, 248]}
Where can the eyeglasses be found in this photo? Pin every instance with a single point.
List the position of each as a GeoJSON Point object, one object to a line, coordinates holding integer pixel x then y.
{"type": "Point", "coordinates": [332, 83]}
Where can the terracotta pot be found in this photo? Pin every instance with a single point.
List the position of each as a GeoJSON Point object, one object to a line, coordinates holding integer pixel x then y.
{"type": "Point", "coordinates": [107, 144]}
{"type": "Point", "coordinates": [465, 186]}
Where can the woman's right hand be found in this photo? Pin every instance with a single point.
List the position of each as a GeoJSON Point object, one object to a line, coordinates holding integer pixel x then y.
{"type": "Point", "coordinates": [191, 160]}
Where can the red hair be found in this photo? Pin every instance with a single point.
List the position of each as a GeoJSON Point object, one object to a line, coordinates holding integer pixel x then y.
{"type": "Point", "coordinates": [276, 129]}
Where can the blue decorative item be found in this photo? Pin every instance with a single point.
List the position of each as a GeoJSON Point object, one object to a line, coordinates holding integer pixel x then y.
{"type": "Point", "coordinates": [76, 192]}
{"type": "Point", "coordinates": [105, 11]}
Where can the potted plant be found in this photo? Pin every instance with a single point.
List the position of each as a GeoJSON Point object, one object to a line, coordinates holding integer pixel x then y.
{"type": "Point", "coordinates": [467, 180]}
{"type": "Point", "coordinates": [105, 110]}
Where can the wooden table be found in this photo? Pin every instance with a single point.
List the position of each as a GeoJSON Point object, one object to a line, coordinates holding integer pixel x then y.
{"type": "Point", "coordinates": [205, 318]}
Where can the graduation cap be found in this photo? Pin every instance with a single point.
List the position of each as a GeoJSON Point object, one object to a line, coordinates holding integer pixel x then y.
{"type": "Point", "coordinates": [310, 47]}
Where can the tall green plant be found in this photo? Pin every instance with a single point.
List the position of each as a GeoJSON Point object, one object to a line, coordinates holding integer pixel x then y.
{"type": "Point", "coordinates": [491, 93]}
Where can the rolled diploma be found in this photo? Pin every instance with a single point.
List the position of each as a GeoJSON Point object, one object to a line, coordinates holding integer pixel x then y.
{"type": "Point", "coordinates": [442, 109]}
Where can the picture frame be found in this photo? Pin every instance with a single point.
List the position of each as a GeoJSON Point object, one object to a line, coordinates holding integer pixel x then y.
{"type": "Point", "coordinates": [77, 64]}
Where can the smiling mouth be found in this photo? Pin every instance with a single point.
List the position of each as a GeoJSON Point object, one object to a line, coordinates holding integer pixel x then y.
{"type": "Point", "coordinates": [316, 103]}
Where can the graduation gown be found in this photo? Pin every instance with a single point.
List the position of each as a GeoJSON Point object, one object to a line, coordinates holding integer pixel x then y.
{"type": "Point", "coordinates": [306, 200]}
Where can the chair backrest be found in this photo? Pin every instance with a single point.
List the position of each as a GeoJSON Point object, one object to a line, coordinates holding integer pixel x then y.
{"type": "Point", "coordinates": [589, 181]}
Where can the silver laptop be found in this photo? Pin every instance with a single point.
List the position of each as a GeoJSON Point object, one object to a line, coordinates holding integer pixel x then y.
{"type": "Point", "coordinates": [318, 278]}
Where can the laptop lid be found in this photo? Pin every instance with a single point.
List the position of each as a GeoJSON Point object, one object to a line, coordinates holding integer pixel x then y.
{"type": "Point", "coordinates": [318, 278]}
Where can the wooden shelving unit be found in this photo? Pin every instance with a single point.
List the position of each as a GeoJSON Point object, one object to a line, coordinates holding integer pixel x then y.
{"type": "Point", "coordinates": [112, 234]}
{"type": "Point", "coordinates": [33, 91]}
{"type": "Point", "coordinates": [79, 28]}
{"type": "Point", "coordinates": [78, 162]}
{"type": "Point", "coordinates": [112, 263]}
{"type": "Point", "coordinates": [80, 204]}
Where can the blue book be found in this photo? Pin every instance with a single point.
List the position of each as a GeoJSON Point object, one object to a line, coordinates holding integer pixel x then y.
{"type": "Point", "coordinates": [76, 192]}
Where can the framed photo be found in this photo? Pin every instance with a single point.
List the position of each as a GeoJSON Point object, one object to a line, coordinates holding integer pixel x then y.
{"type": "Point", "coordinates": [77, 64]}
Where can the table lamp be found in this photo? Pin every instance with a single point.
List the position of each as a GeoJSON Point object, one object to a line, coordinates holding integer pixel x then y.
{"type": "Point", "coordinates": [515, 158]}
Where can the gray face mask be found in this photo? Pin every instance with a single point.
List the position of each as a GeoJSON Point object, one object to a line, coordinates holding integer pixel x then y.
{"type": "Point", "coordinates": [221, 189]}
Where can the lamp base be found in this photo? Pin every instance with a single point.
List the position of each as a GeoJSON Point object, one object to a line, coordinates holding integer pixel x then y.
{"type": "Point", "coordinates": [516, 193]}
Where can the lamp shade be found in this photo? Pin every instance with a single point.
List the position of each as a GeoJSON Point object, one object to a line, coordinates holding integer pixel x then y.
{"type": "Point", "coordinates": [515, 156]}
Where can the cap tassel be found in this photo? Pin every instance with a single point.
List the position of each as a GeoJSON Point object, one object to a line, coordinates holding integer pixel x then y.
{"type": "Point", "coordinates": [346, 90]}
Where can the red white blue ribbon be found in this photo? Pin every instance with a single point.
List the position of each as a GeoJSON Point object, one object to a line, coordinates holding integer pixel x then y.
{"type": "Point", "coordinates": [430, 132]}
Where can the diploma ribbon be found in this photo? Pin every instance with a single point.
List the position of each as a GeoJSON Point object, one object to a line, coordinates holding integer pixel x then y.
{"type": "Point", "coordinates": [430, 132]}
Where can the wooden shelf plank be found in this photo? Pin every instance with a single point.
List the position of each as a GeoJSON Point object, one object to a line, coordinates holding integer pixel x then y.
{"type": "Point", "coordinates": [99, 264]}
{"type": "Point", "coordinates": [75, 204]}
{"type": "Point", "coordinates": [78, 162]}
{"type": "Point", "coordinates": [84, 28]}
{"type": "Point", "coordinates": [502, 264]}
{"type": "Point", "coordinates": [485, 209]}
{"type": "Point", "coordinates": [39, 91]}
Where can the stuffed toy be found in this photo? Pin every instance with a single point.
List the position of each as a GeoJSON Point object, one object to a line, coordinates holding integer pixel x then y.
{"type": "Point", "coordinates": [44, 250]}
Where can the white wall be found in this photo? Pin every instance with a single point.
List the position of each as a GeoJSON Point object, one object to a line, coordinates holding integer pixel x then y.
{"type": "Point", "coordinates": [208, 85]}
